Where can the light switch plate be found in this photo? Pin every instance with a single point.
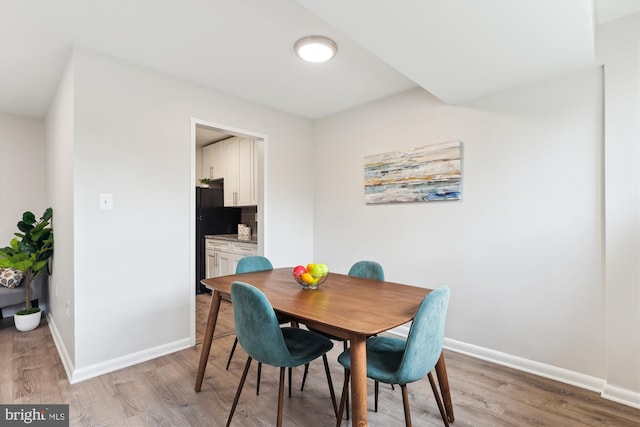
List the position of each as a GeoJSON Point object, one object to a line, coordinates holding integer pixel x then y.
{"type": "Point", "coordinates": [105, 201]}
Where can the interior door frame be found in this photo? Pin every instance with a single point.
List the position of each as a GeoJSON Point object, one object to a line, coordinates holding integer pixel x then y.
{"type": "Point", "coordinates": [261, 146]}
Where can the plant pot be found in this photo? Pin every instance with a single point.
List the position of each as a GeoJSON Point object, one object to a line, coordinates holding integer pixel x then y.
{"type": "Point", "coordinates": [27, 322]}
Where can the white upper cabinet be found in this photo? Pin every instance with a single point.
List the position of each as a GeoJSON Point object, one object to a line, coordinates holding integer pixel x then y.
{"type": "Point", "coordinates": [213, 161]}
{"type": "Point", "coordinates": [240, 172]}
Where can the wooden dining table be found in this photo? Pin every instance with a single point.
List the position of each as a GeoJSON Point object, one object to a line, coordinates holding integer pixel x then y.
{"type": "Point", "coordinates": [348, 307]}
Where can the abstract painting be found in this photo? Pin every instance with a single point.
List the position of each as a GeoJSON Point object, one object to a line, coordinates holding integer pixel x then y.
{"type": "Point", "coordinates": [422, 174]}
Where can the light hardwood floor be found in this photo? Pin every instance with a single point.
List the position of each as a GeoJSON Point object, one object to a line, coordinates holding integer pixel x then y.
{"type": "Point", "coordinates": [160, 392]}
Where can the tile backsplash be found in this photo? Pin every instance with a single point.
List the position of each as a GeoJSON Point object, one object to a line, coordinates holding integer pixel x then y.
{"type": "Point", "coordinates": [248, 217]}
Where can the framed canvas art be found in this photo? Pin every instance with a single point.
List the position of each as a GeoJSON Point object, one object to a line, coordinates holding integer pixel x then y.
{"type": "Point", "coordinates": [422, 174]}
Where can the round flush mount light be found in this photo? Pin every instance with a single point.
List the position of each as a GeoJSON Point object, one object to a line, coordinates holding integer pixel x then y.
{"type": "Point", "coordinates": [315, 48]}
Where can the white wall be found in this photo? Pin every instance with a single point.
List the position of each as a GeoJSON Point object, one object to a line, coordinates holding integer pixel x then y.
{"type": "Point", "coordinates": [521, 250]}
{"type": "Point", "coordinates": [60, 189]}
{"type": "Point", "coordinates": [543, 268]}
{"type": "Point", "coordinates": [132, 265]}
{"type": "Point", "coordinates": [619, 50]}
{"type": "Point", "coordinates": [22, 172]}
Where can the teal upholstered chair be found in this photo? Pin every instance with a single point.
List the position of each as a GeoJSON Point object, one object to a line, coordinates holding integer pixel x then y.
{"type": "Point", "coordinates": [249, 264]}
{"type": "Point", "coordinates": [398, 361]}
{"type": "Point", "coordinates": [263, 339]}
{"type": "Point", "coordinates": [367, 270]}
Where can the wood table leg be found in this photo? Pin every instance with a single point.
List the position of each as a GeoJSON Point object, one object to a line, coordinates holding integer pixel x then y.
{"type": "Point", "coordinates": [443, 381]}
{"type": "Point", "coordinates": [214, 308]}
{"type": "Point", "coordinates": [358, 380]}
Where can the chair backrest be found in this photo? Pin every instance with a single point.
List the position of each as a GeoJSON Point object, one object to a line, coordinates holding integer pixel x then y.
{"type": "Point", "coordinates": [257, 327]}
{"type": "Point", "coordinates": [367, 270]}
{"type": "Point", "coordinates": [252, 263]}
{"type": "Point", "coordinates": [426, 336]}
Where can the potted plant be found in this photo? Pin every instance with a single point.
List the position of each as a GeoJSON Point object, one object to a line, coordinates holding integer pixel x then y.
{"type": "Point", "coordinates": [29, 252]}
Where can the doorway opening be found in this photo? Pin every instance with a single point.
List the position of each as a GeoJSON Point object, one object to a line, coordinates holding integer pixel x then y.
{"type": "Point", "coordinates": [227, 189]}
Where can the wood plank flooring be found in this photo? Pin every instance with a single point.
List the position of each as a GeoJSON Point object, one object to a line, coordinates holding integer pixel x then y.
{"type": "Point", "coordinates": [160, 392]}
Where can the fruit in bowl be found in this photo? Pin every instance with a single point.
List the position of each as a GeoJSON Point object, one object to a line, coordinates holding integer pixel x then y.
{"type": "Point", "coordinates": [311, 275]}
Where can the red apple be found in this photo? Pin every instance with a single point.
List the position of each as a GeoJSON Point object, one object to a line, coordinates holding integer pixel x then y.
{"type": "Point", "coordinates": [299, 270]}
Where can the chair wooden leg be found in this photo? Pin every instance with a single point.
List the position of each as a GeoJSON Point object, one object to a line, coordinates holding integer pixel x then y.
{"type": "Point", "coordinates": [331, 391]}
{"type": "Point", "coordinates": [376, 387]}
{"type": "Point", "coordinates": [345, 347]}
{"type": "Point", "coordinates": [405, 403]}
{"type": "Point", "coordinates": [258, 379]}
{"type": "Point", "coordinates": [239, 391]}
{"type": "Point", "coordinates": [348, 410]}
{"type": "Point", "coordinates": [290, 371]}
{"type": "Point", "coordinates": [280, 397]}
{"type": "Point", "coordinates": [375, 395]}
{"type": "Point", "coordinates": [443, 413]}
{"type": "Point", "coordinates": [345, 392]}
{"type": "Point", "coordinates": [233, 349]}
{"type": "Point", "coordinates": [304, 376]}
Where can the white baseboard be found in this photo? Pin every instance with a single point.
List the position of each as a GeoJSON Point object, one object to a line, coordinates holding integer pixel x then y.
{"type": "Point", "coordinates": [77, 375]}
{"type": "Point", "coordinates": [127, 360]}
{"type": "Point", "coordinates": [541, 369]}
{"type": "Point", "coordinates": [621, 395]}
{"type": "Point", "coordinates": [588, 382]}
{"type": "Point", "coordinates": [62, 349]}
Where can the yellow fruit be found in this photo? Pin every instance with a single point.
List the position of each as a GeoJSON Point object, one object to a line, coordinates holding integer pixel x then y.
{"type": "Point", "coordinates": [310, 266]}
{"type": "Point", "coordinates": [307, 278]}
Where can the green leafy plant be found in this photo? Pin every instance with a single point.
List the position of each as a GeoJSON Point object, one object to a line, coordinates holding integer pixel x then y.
{"type": "Point", "coordinates": [30, 251]}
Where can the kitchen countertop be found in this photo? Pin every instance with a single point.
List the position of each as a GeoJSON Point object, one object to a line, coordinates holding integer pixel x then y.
{"type": "Point", "coordinates": [232, 238]}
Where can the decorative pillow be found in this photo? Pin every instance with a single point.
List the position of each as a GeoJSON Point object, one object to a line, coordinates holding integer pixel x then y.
{"type": "Point", "coordinates": [10, 277]}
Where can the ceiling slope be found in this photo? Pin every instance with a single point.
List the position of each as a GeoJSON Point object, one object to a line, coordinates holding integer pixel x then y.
{"type": "Point", "coordinates": [242, 48]}
{"type": "Point", "coordinates": [460, 50]}
{"type": "Point", "coordinates": [455, 49]}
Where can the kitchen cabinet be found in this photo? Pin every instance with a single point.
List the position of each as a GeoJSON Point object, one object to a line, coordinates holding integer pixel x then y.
{"type": "Point", "coordinates": [213, 161]}
{"type": "Point", "coordinates": [223, 256]}
{"type": "Point", "coordinates": [218, 259]}
{"type": "Point", "coordinates": [240, 177]}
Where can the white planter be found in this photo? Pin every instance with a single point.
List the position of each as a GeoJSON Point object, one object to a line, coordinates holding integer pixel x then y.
{"type": "Point", "coordinates": [27, 322]}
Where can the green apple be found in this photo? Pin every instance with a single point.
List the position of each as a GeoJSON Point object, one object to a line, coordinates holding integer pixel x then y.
{"type": "Point", "coordinates": [319, 270]}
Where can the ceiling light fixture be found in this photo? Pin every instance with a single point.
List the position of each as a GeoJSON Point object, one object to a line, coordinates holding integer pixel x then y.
{"type": "Point", "coordinates": [315, 48]}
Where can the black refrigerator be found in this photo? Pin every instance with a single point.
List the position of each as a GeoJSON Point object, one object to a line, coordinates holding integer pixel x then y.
{"type": "Point", "coordinates": [211, 218]}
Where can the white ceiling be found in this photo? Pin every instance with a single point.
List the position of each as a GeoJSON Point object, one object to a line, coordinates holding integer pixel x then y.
{"type": "Point", "coordinates": [455, 49]}
{"type": "Point", "coordinates": [206, 135]}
